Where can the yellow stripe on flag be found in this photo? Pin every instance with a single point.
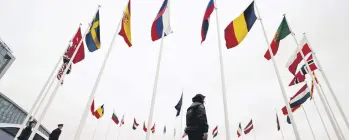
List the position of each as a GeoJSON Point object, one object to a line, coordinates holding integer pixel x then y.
{"type": "Point", "coordinates": [127, 24]}
{"type": "Point", "coordinates": [240, 27]}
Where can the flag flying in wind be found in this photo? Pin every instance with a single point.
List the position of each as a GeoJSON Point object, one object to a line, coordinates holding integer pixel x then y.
{"type": "Point", "coordinates": [300, 76]}
{"type": "Point", "coordinates": [298, 99]}
{"type": "Point", "coordinates": [125, 31]}
{"type": "Point", "coordinates": [284, 110]}
{"type": "Point", "coordinates": [282, 32]}
{"type": "Point", "coordinates": [161, 23]}
{"type": "Point", "coordinates": [93, 107]}
{"type": "Point", "coordinates": [312, 86]}
{"type": "Point", "coordinates": [115, 118]}
{"type": "Point", "coordinates": [248, 128]}
{"type": "Point", "coordinates": [122, 120]}
{"type": "Point", "coordinates": [61, 70]}
{"type": "Point", "coordinates": [153, 129]}
{"type": "Point", "coordinates": [277, 122]}
{"type": "Point", "coordinates": [77, 40]}
{"type": "Point", "coordinates": [144, 127]}
{"type": "Point", "coordinates": [206, 20]}
{"type": "Point", "coordinates": [93, 37]}
{"type": "Point", "coordinates": [215, 132]}
{"type": "Point", "coordinates": [237, 30]}
{"type": "Point", "coordinates": [99, 112]}
{"type": "Point", "coordinates": [135, 124]}
{"type": "Point", "coordinates": [239, 131]}
{"type": "Point", "coordinates": [178, 107]}
{"type": "Point", "coordinates": [294, 60]}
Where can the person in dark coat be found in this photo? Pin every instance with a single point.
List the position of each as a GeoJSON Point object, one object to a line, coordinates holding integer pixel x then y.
{"type": "Point", "coordinates": [56, 133]}
{"type": "Point", "coordinates": [27, 131]}
{"type": "Point", "coordinates": [196, 119]}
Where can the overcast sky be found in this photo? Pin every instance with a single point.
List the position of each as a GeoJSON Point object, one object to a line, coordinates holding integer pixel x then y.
{"type": "Point", "coordinates": [38, 31]}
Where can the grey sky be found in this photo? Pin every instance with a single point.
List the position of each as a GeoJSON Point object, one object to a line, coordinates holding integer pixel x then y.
{"type": "Point", "coordinates": [38, 31]}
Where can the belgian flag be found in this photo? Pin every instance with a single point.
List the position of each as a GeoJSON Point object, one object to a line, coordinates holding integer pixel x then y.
{"type": "Point", "coordinates": [99, 112]}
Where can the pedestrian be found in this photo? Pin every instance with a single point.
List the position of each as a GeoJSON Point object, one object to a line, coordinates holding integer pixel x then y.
{"type": "Point", "coordinates": [56, 133]}
{"type": "Point", "coordinates": [196, 119]}
{"type": "Point", "coordinates": [27, 131]}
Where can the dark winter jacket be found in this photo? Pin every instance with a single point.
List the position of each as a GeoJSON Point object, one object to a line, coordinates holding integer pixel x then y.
{"type": "Point", "coordinates": [25, 133]}
{"type": "Point", "coordinates": [55, 134]}
{"type": "Point", "coordinates": [196, 119]}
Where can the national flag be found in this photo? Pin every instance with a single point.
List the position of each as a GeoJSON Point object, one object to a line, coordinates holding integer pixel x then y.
{"type": "Point", "coordinates": [164, 130]}
{"type": "Point", "coordinates": [93, 37]}
{"type": "Point", "coordinates": [215, 131]}
{"type": "Point", "coordinates": [237, 30]}
{"type": "Point", "coordinates": [99, 112]}
{"type": "Point", "coordinates": [135, 124]}
{"type": "Point", "coordinates": [282, 32]}
{"type": "Point", "coordinates": [161, 23]}
{"type": "Point", "coordinates": [277, 122]}
{"type": "Point", "coordinates": [115, 118]}
{"type": "Point", "coordinates": [312, 86]}
{"type": "Point", "coordinates": [77, 40]}
{"type": "Point", "coordinates": [284, 110]}
{"type": "Point", "coordinates": [93, 107]}
{"type": "Point", "coordinates": [239, 131]}
{"type": "Point", "coordinates": [300, 76]}
{"type": "Point", "coordinates": [184, 135]}
{"type": "Point", "coordinates": [206, 20]}
{"type": "Point", "coordinates": [288, 120]}
{"type": "Point", "coordinates": [248, 128]}
{"type": "Point", "coordinates": [125, 31]}
{"type": "Point", "coordinates": [294, 60]}
{"type": "Point", "coordinates": [122, 120]}
{"type": "Point", "coordinates": [144, 127]}
{"type": "Point", "coordinates": [61, 70]}
{"type": "Point", "coordinates": [153, 129]}
{"type": "Point", "coordinates": [178, 107]}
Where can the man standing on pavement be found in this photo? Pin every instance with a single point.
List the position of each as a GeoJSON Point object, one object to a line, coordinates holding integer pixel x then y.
{"type": "Point", "coordinates": [196, 119]}
{"type": "Point", "coordinates": [27, 131]}
{"type": "Point", "coordinates": [56, 133]}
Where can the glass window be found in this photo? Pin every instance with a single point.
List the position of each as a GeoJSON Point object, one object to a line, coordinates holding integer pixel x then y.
{"type": "Point", "coordinates": [3, 52]}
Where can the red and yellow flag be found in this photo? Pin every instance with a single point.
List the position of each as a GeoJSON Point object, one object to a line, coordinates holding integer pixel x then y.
{"type": "Point", "coordinates": [125, 31]}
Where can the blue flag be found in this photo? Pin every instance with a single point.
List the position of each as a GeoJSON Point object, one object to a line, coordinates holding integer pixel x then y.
{"type": "Point", "coordinates": [179, 106]}
{"type": "Point", "coordinates": [93, 39]}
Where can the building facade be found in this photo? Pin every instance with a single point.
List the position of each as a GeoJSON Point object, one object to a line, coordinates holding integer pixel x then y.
{"type": "Point", "coordinates": [11, 117]}
{"type": "Point", "coordinates": [6, 58]}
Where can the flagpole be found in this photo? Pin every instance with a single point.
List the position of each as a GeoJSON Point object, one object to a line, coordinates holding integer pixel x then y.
{"type": "Point", "coordinates": [109, 125]}
{"type": "Point", "coordinates": [254, 132]}
{"type": "Point", "coordinates": [94, 134]}
{"type": "Point", "coordinates": [282, 134]}
{"type": "Point", "coordinates": [181, 112]}
{"type": "Point", "coordinates": [316, 85]}
{"type": "Point", "coordinates": [329, 86]}
{"type": "Point", "coordinates": [311, 129]}
{"type": "Point", "coordinates": [84, 115]}
{"type": "Point", "coordinates": [327, 134]}
{"type": "Point", "coordinates": [34, 108]}
{"type": "Point", "coordinates": [290, 113]}
{"type": "Point", "coordinates": [224, 90]}
{"type": "Point", "coordinates": [120, 127]}
{"type": "Point", "coordinates": [43, 114]}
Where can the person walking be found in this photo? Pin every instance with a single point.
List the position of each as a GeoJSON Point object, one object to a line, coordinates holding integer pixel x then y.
{"type": "Point", "coordinates": [27, 131]}
{"type": "Point", "coordinates": [56, 133]}
{"type": "Point", "coordinates": [196, 119]}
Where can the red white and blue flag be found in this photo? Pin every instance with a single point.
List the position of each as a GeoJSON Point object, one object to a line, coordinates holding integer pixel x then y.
{"type": "Point", "coordinates": [206, 20]}
{"type": "Point", "coordinates": [297, 58]}
{"type": "Point", "coordinates": [161, 23]}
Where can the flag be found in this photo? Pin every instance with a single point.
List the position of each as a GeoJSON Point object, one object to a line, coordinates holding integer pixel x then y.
{"type": "Point", "coordinates": [179, 105]}
{"type": "Point", "coordinates": [248, 128]}
{"type": "Point", "coordinates": [144, 128]}
{"type": "Point", "coordinates": [312, 86]}
{"type": "Point", "coordinates": [294, 60]}
{"type": "Point", "coordinates": [277, 122]}
{"type": "Point", "coordinates": [164, 130]}
{"type": "Point", "coordinates": [99, 112]}
{"type": "Point", "coordinates": [153, 129]}
{"type": "Point", "coordinates": [206, 20]}
{"type": "Point", "coordinates": [288, 120]}
{"type": "Point", "coordinates": [300, 76]}
{"type": "Point", "coordinates": [135, 124]}
{"type": "Point", "coordinates": [215, 131]}
{"type": "Point", "coordinates": [161, 23]}
{"type": "Point", "coordinates": [115, 118]}
{"type": "Point", "coordinates": [61, 70]}
{"type": "Point", "coordinates": [282, 32]}
{"type": "Point", "coordinates": [184, 135]}
{"type": "Point", "coordinates": [77, 40]}
{"type": "Point", "coordinates": [239, 131]}
{"type": "Point", "coordinates": [300, 97]}
{"type": "Point", "coordinates": [93, 37]}
{"type": "Point", "coordinates": [237, 30]}
{"type": "Point", "coordinates": [125, 31]}
{"type": "Point", "coordinates": [122, 121]}
{"type": "Point", "coordinates": [93, 107]}
{"type": "Point", "coordinates": [284, 110]}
